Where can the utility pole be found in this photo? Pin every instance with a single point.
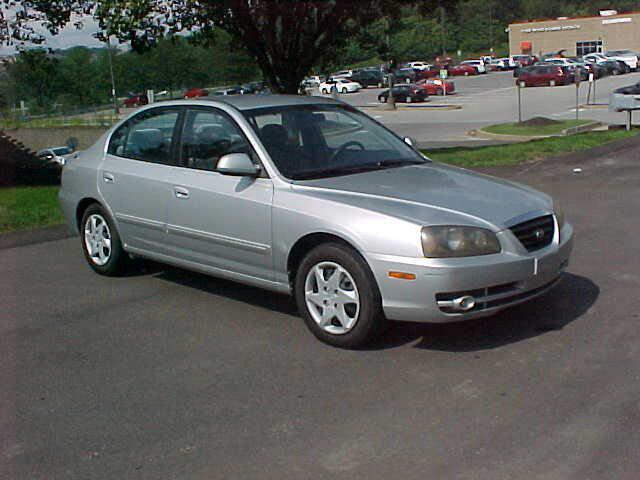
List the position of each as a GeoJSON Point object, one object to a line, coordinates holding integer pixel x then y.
{"type": "Point", "coordinates": [491, 25]}
{"type": "Point", "coordinates": [113, 80]}
{"type": "Point", "coordinates": [442, 32]}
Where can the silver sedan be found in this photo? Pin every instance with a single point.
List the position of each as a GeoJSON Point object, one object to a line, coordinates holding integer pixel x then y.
{"type": "Point", "coordinates": [311, 197]}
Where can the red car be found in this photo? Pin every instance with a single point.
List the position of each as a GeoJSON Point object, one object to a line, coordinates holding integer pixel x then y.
{"type": "Point", "coordinates": [539, 75]}
{"type": "Point", "coordinates": [136, 100]}
{"type": "Point", "coordinates": [433, 86]}
{"type": "Point", "coordinates": [196, 92]}
{"type": "Point", "coordinates": [456, 70]}
{"type": "Point", "coordinates": [431, 72]}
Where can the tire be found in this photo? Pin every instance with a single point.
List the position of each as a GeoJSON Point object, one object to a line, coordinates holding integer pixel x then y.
{"type": "Point", "coordinates": [344, 90]}
{"type": "Point", "coordinates": [380, 85]}
{"type": "Point", "coordinates": [382, 99]}
{"type": "Point", "coordinates": [552, 83]}
{"type": "Point", "coordinates": [440, 92]}
{"type": "Point", "coordinates": [115, 263]}
{"type": "Point", "coordinates": [466, 74]}
{"type": "Point", "coordinates": [354, 280]}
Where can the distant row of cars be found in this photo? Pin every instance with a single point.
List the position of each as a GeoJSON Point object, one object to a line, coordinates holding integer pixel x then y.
{"type": "Point", "coordinates": [139, 99]}
{"type": "Point", "coordinates": [553, 71]}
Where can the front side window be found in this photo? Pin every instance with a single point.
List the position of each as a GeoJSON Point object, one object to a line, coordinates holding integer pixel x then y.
{"type": "Point", "coordinates": [148, 136]}
{"type": "Point", "coordinates": [313, 141]}
{"type": "Point", "coordinates": [209, 134]}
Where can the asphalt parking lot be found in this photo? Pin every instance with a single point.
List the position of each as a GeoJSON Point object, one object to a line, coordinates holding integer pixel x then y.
{"type": "Point", "coordinates": [168, 374]}
{"type": "Point", "coordinates": [484, 100]}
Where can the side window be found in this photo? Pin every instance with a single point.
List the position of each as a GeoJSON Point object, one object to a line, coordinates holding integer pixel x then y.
{"type": "Point", "coordinates": [148, 136]}
{"type": "Point", "coordinates": [207, 136]}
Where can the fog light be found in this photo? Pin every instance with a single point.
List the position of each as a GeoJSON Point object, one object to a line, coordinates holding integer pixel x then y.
{"type": "Point", "coordinates": [465, 303]}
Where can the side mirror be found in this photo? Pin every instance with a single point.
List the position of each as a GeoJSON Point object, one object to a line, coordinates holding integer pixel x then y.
{"type": "Point", "coordinates": [410, 141]}
{"type": "Point", "coordinates": [237, 164]}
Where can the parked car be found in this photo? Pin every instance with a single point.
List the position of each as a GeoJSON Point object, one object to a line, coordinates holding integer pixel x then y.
{"type": "Point", "coordinates": [498, 64]}
{"type": "Point", "coordinates": [627, 56]}
{"type": "Point", "coordinates": [542, 75]}
{"type": "Point", "coordinates": [58, 155]}
{"type": "Point", "coordinates": [342, 74]}
{"type": "Point", "coordinates": [234, 90]}
{"type": "Point", "coordinates": [311, 197]}
{"type": "Point", "coordinates": [136, 100]}
{"type": "Point", "coordinates": [434, 86]}
{"type": "Point", "coordinates": [615, 67]}
{"type": "Point", "coordinates": [368, 78]}
{"type": "Point", "coordinates": [595, 57]}
{"type": "Point", "coordinates": [406, 75]}
{"type": "Point", "coordinates": [340, 85]}
{"type": "Point", "coordinates": [477, 64]}
{"type": "Point", "coordinates": [196, 92]}
{"type": "Point", "coordinates": [570, 65]}
{"type": "Point", "coordinates": [418, 65]}
{"type": "Point", "coordinates": [404, 94]}
{"type": "Point", "coordinates": [522, 60]}
{"type": "Point", "coordinates": [462, 69]}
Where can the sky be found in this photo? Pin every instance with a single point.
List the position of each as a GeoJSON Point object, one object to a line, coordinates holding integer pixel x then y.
{"type": "Point", "coordinates": [69, 36]}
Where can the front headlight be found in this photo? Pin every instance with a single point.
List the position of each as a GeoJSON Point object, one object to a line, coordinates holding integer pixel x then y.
{"type": "Point", "coordinates": [453, 241]}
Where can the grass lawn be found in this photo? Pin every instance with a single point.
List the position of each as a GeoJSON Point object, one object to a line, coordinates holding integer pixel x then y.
{"type": "Point", "coordinates": [29, 207]}
{"type": "Point", "coordinates": [534, 130]}
{"type": "Point", "coordinates": [515, 153]}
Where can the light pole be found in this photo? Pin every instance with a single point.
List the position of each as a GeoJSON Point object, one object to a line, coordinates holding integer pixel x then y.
{"type": "Point", "coordinates": [113, 80]}
{"type": "Point", "coordinates": [442, 34]}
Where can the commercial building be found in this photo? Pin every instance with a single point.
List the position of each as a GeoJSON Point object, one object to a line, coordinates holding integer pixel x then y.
{"type": "Point", "coordinates": [577, 36]}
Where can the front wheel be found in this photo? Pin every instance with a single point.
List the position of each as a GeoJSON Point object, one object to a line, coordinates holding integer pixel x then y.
{"type": "Point", "coordinates": [344, 90]}
{"type": "Point", "coordinates": [382, 99]}
{"type": "Point", "coordinates": [101, 242]}
{"type": "Point", "coordinates": [338, 297]}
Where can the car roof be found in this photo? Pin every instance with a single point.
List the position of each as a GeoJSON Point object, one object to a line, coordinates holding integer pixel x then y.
{"type": "Point", "coordinates": [249, 102]}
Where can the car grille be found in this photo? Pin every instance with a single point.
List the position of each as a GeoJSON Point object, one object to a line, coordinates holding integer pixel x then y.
{"type": "Point", "coordinates": [535, 234]}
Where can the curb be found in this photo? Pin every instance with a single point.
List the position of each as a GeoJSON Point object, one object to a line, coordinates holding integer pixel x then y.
{"type": "Point", "coordinates": [22, 238]}
{"type": "Point", "coordinates": [525, 138]}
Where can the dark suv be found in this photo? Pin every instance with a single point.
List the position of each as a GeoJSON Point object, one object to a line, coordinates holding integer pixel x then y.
{"type": "Point", "coordinates": [368, 78]}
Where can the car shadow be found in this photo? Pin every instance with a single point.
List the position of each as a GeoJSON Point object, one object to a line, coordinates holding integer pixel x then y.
{"type": "Point", "coordinates": [217, 286]}
{"type": "Point", "coordinates": [568, 301]}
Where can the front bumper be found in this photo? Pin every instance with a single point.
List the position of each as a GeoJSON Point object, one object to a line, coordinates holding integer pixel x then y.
{"type": "Point", "coordinates": [495, 281]}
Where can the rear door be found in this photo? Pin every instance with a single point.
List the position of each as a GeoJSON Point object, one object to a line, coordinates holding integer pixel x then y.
{"type": "Point", "coordinates": [134, 176]}
{"type": "Point", "coordinates": [219, 220]}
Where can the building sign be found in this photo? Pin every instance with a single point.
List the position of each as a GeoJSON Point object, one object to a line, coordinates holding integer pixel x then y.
{"type": "Point", "coordinates": [551, 29]}
{"type": "Point", "coordinates": [609, 21]}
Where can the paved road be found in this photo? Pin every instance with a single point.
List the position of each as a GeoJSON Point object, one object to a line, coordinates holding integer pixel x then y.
{"type": "Point", "coordinates": [485, 100]}
{"type": "Point", "coordinates": [167, 374]}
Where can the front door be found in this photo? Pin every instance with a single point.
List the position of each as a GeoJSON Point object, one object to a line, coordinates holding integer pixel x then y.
{"type": "Point", "coordinates": [214, 219]}
{"type": "Point", "coordinates": [134, 177]}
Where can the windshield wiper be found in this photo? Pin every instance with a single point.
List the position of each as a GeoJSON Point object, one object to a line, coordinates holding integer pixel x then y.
{"type": "Point", "coordinates": [338, 171]}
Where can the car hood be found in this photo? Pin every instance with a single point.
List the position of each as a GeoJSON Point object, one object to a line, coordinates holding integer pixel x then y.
{"type": "Point", "coordinates": [435, 194]}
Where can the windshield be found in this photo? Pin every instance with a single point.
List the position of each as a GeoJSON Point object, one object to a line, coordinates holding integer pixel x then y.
{"type": "Point", "coordinates": [315, 141]}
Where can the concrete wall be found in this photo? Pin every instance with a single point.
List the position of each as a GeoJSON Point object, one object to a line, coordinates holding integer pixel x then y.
{"type": "Point", "coordinates": [38, 138]}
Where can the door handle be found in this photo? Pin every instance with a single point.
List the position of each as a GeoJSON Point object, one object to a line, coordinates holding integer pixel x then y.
{"type": "Point", "coordinates": [108, 177]}
{"type": "Point", "coordinates": [181, 193]}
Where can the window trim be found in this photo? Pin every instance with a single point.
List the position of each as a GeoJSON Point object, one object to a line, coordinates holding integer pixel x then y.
{"type": "Point", "coordinates": [180, 161]}
{"type": "Point", "coordinates": [132, 120]}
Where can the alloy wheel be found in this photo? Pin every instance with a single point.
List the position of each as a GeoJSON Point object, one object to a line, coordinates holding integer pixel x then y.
{"type": "Point", "coordinates": [97, 239]}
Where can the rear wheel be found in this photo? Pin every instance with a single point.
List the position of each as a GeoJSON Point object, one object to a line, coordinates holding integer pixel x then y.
{"type": "Point", "coordinates": [344, 90]}
{"type": "Point", "coordinates": [338, 297]}
{"type": "Point", "coordinates": [382, 99]}
{"type": "Point", "coordinates": [101, 242]}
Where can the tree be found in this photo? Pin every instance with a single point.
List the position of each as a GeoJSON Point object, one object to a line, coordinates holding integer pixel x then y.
{"type": "Point", "coordinates": [286, 38]}
{"type": "Point", "coordinates": [33, 77]}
